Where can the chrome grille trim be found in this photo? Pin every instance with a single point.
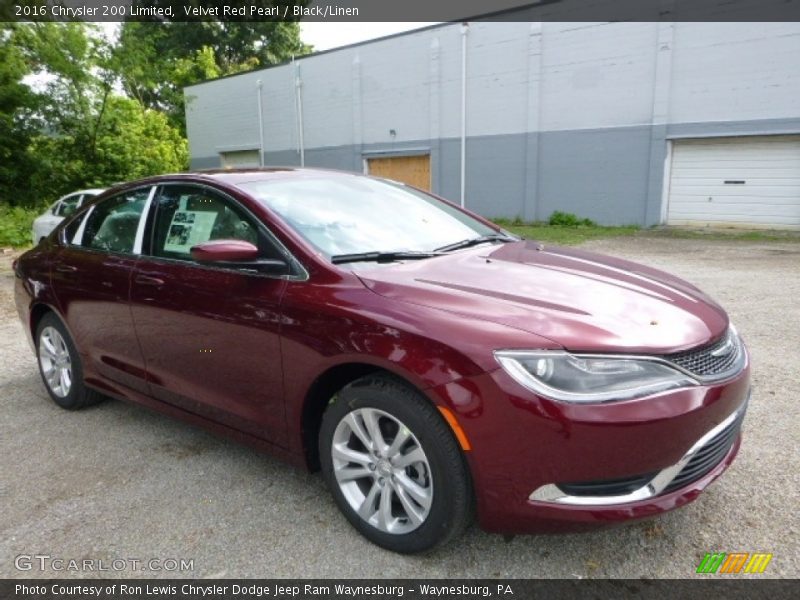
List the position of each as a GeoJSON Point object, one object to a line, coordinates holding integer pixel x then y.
{"type": "Point", "coordinates": [552, 494]}
{"type": "Point", "coordinates": [719, 360]}
{"type": "Point", "coordinates": [707, 457]}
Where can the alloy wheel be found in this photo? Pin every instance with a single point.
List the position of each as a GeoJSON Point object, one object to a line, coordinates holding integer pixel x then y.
{"type": "Point", "coordinates": [382, 470]}
{"type": "Point", "coordinates": [55, 361]}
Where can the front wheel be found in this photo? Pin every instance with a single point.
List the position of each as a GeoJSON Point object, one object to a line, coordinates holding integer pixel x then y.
{"type": "Point", "coordinates": [394, 467]}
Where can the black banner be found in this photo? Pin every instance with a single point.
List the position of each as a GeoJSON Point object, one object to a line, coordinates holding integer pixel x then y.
{"type": "Point", "coordinates": [371, 589]}
{"type": "Point", "coordinates": [400, 10]}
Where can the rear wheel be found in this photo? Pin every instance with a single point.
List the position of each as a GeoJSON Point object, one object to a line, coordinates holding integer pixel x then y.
{"type": "Point", "coordinates": [393, 466]}
{"type": "Point", "coordinates": [60, 365]}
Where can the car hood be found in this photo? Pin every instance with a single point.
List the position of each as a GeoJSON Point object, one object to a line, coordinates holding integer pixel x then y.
{"type": "Point", "coordinates": [579, 300]}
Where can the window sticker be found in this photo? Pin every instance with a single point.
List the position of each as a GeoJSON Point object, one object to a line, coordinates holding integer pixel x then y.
{"type": "Point", "coordinates": [189, 228]}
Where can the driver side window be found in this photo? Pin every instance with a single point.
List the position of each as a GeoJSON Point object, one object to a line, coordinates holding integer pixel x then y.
{"type": "Point", "coordinates": [190, 215]}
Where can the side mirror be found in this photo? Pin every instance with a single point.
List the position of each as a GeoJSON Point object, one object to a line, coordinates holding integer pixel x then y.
{"type": "Point", "coordinates": [237, 254]}
{"type": "Point", "coordinates": [224, 251]}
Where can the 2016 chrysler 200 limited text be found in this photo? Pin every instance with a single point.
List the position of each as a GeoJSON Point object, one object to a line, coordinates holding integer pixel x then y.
{"type": "Point", "coordinates": [430, 364]}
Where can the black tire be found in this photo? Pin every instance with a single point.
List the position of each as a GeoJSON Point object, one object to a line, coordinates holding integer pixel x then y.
{"type": "Point", "coordinates": [451, 508]}
{"type": "Point", "coordinates": [79, 396]}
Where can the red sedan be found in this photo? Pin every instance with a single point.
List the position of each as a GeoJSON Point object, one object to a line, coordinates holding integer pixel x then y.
{"type": "Point", "coordinates": [430, 364]}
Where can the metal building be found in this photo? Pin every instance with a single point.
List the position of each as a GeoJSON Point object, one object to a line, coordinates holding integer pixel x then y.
{"type": "Point", "coordinates": [624, 123]}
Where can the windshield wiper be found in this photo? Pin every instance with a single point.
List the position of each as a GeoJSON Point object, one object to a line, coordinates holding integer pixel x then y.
{"type": "Point", "coordinates": [492, 237]}
{"type": "Point", "coordinates": [380, 257]}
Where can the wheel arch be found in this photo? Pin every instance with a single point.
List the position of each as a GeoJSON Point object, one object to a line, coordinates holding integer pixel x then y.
{"type": "Point", "coordinates": [37, 313]}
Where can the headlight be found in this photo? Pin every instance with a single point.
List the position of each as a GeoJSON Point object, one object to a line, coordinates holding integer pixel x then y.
{"type": "Point", "coordinates": [586, 379]}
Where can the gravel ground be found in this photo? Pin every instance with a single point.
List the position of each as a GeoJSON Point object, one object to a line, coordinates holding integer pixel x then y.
{"type": "Point", "coordinates": [117, 481]}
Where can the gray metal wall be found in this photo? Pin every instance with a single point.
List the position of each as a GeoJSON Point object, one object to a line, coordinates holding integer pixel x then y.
{"type": "Point", "coordinates": [560, 116]}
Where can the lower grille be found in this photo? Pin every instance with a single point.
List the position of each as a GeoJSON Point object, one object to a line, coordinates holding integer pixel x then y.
{"type": "Point", "coordinates": [607, 487]}
{"type": "Point", "coordinates": [708, 457]}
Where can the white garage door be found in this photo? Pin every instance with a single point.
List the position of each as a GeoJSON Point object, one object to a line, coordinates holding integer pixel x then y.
{"type": "Point", "coordinates": [743, 181]}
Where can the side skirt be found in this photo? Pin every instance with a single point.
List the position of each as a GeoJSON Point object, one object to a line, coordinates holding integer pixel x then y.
{"type": "Point", "coordinates": [211, 426]}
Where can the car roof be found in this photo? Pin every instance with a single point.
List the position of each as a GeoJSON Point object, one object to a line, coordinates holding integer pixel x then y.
{"type": "Point", "coordinates": [244, 175]}
{"type": "Point", "coordinates": [95, 191]}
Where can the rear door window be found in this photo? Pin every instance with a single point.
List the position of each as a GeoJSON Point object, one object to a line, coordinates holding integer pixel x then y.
{"type": "Point", "coordinates": [113, 224]}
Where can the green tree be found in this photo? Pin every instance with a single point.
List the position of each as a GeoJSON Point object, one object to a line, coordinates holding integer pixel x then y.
{"type": "Point", "coordinates": [131, 142]}
{"type": "Point", "coordinates": [156, 60]}
{"type": "Point", "coordinates": [18, 124]}
{"type": "Point", "coordinates": [90, 135]}
{"type": "Point", "coordinates": [73, 59]}
{"type": "Point", "coordinates": [64, 123]}
{"type": "Point", "coordinates": [70, 62]}
{"type": "Point", "coordinates": [135, 142]}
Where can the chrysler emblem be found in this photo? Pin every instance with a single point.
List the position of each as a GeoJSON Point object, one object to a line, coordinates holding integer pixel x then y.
{"type": "Point", "coordinates": [723, 350]}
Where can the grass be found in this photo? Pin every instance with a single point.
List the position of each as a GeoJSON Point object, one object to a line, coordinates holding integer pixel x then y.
{"type": "Point", "coordinates": [15, 225]}
{"type": "Point", "coordinates": [567, 235]}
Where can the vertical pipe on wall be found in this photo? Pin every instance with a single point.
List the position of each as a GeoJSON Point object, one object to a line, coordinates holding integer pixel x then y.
{"type": "Point", "coordinates": [464, 30]}
{"type": "Point", "coordinates": [655, 207]}
{"type": "Point", "coordinates": [530, 203]}
{"type": "Point", "coordinates": [298, 98]}
{"type": "Point", "coordinates": [359, 162]}
{"type": "Point", "coordinates": [260, 124]}
{"type": "Point", "coordinates": [434, 114]}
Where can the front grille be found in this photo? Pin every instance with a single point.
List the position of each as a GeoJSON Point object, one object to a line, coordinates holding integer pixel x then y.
{"type": "Point", "coordinates": [703, 362]}
{"type": "Point", "coordinates": [607, 487]}
{"type": "Point", "coordinates": [708, 457]}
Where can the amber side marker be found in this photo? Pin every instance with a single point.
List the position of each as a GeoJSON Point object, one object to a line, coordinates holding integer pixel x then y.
{"type": "Point", "coordinates": [460, 435]}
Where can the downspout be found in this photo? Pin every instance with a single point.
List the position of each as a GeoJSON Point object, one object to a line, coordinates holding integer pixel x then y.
{"type": "Point", "coordinates": [298, 98]}
{"type": "Point", "coordinates": [464, 31]}
{"type": "Point", "coordinates": [260, 124]}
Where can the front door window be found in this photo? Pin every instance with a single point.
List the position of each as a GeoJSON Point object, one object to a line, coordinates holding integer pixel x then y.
{"type": "Point", "coordinates": [190, 215]}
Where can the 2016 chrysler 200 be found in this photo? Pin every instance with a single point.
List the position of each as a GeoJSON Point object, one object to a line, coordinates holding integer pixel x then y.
{"type": "Point", "coordinates": [431, 364]}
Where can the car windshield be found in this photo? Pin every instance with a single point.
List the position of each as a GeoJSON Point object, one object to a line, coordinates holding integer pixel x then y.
{"type": "Point", "coordinates": [348, 214]}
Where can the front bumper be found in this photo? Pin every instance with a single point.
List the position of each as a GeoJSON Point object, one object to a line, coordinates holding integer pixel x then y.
{"type": "Point", "coordinates": [524, 445]}
{"type": "Point", "coordinates": [706, 454]}
{"type": "Point", "coordinates": [536, 517]}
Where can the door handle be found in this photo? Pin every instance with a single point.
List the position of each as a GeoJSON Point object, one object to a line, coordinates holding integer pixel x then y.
{"type": "Point", "coordinates": [66, 268]}
{"type": "Point", "coordinates": [147, 280]}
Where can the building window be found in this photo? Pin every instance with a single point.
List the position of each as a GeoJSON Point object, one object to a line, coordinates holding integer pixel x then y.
{"type": "Point", "coordinates": [239, 158]}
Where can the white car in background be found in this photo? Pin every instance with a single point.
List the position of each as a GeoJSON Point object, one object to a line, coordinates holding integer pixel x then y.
{"type": "Point", "coordinates": [62, 208]}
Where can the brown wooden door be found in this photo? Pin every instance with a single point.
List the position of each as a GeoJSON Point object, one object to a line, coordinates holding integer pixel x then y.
{"type": "Point", "coordinates": [413, 170]}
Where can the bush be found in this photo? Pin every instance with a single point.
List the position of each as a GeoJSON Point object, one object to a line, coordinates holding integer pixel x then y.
{"type": "Point", "coordinates": [15, 225]}
{"type": "Point", "coordinates": [562, 219]}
